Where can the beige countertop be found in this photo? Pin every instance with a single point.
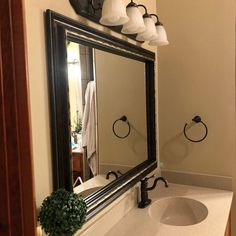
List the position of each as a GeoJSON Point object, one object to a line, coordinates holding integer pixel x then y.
{"type": "Point", "coordinates": [138, 222]}
{"type": "Point", "coordinates": [97, 181]}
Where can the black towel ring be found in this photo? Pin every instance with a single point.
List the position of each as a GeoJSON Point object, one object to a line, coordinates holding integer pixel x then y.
{"type": "Point", "coordinates": [124, 119]}
{"type": "Point", "coordinates": [196, 119]}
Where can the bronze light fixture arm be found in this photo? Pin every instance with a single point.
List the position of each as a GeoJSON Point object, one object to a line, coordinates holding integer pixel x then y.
{"type": "Point", "coordinates": [99, 5]}
{"type": "Point", "coordinates": [146, 14]}
{"type": "Point", "coordinates": [158, 21]}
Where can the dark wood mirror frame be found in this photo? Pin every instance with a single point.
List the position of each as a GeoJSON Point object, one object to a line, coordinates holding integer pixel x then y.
{"type": "Point", "coordinates": [58, 29]}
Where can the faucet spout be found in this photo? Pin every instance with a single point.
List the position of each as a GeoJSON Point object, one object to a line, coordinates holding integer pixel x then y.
{"type": "Point", "coordinates": [145, 201]}
{"type": "Point", "coordinates": [155, 183]}
{"type": "Point", "coordinates": [111, 173]}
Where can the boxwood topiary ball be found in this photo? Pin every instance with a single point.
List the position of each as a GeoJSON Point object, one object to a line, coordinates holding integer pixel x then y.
{"type": "Point", "coordinates": [62, 213]}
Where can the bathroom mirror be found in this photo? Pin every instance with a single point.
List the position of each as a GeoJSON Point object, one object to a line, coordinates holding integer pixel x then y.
{"type": "Point", "coordinates": [94, 80]}
{"type": "Point", "coordinates": [114, 95]}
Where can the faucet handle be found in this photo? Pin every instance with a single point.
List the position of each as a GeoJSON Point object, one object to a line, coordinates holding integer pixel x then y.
{"type": "Point", "coordinates": [119, 172]}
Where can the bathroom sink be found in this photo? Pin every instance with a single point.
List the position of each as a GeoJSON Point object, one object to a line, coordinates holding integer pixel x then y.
{"type": "Point", "coordinates": [178, 211]}
{"type": "Point", "coordinates": [89, 191]}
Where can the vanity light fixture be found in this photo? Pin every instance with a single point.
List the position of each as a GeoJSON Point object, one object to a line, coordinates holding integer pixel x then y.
{"type": "Point", "coordinates": [135, 24]}
{"type": "Point", "coordinates": [113, 13]}
{"type": "Point", "coordinates": [144, 26]}
{"type": "Point", "coordinates": [150, 29]}
{"type": "Point", "coordinates": [161, 38]}
{"type": "Point", "coordinates": [127, 20]}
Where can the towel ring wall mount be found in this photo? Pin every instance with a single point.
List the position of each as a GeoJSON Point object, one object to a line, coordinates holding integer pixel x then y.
{"type": "Point", "coordinates": [123, 119]}
{"type": "Point", "coordinates": [196, 119]}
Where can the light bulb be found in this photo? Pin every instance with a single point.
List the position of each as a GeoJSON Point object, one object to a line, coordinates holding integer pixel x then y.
{"type": "Point", "coordinates": [149, 32]}
{"type": "Point", "coordinates": [113, 13]}
{"type": "Point", "coordinates": [135, 24]}
{"type": "Point", "coordinates": [161, 39]}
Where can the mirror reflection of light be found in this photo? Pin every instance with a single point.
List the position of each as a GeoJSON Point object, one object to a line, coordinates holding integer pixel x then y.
{"type": "Point", "coordinates": [72, 52]}
{"type": "Point", "coordinates": [74, 71]}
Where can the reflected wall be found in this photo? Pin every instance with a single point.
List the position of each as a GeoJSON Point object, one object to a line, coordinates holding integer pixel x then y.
{"type": "Point", "coordinates": [120, 89]}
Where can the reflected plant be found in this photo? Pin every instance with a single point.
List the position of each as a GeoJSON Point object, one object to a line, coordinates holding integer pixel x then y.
{"type": "Point", "coordinates": [78, 125]}
{"type": "Point", "coordinates": [76, 129]}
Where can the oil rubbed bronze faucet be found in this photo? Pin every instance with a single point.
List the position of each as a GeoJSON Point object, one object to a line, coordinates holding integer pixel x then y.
{"type": "Point", "coordinates": [111, 173]}
{"type": "Point", "coordinates": [145, 201]}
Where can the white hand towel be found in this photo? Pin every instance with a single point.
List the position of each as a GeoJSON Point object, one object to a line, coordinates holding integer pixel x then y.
{"type": "Point", "coordinates": [89, 126]}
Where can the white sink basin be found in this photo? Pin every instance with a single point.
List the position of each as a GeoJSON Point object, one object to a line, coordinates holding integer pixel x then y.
{"type": "Point", "coordinates": [178, 211]}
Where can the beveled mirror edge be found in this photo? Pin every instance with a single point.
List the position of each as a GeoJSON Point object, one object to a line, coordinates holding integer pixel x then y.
{"type": "Point", "coordinates": [56, 27]}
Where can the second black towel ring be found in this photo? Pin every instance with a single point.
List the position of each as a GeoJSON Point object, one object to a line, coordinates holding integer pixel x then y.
{"type": "Point", "coordinates": [196, 119]}
{"type": "Point", "coordinates": [124, 119]}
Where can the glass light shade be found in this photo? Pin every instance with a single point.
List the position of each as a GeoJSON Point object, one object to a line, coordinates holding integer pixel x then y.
{"type": "Point", "coordinates": [150, 31]}
{"type": "Point", "coordinates": [135, 24]}
{"type": "Point", "coordinates": [113, 13]}
{"type": "Point", "coordinates": [161, 40]}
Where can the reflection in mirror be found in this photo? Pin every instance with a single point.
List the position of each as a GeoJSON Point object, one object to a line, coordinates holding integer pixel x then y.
{"type": "Point", "coordinates": [78, 78]}
{"type": "Point", "coordinates": [102, 88]}
{"type": "Point", "coordinates": [120, 91]}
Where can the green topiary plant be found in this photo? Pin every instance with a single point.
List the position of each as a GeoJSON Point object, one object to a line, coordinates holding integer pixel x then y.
{"type": "Point", "coordinates": [62, 213]}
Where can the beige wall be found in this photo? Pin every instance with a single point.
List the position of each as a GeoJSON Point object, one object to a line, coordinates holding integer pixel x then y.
{"type": "Point", "coordinates": [120, 91]}
{"type": "Point", "coordinates": [197, 76]}
{"type": "Point", "coordinates": [38, 85]}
